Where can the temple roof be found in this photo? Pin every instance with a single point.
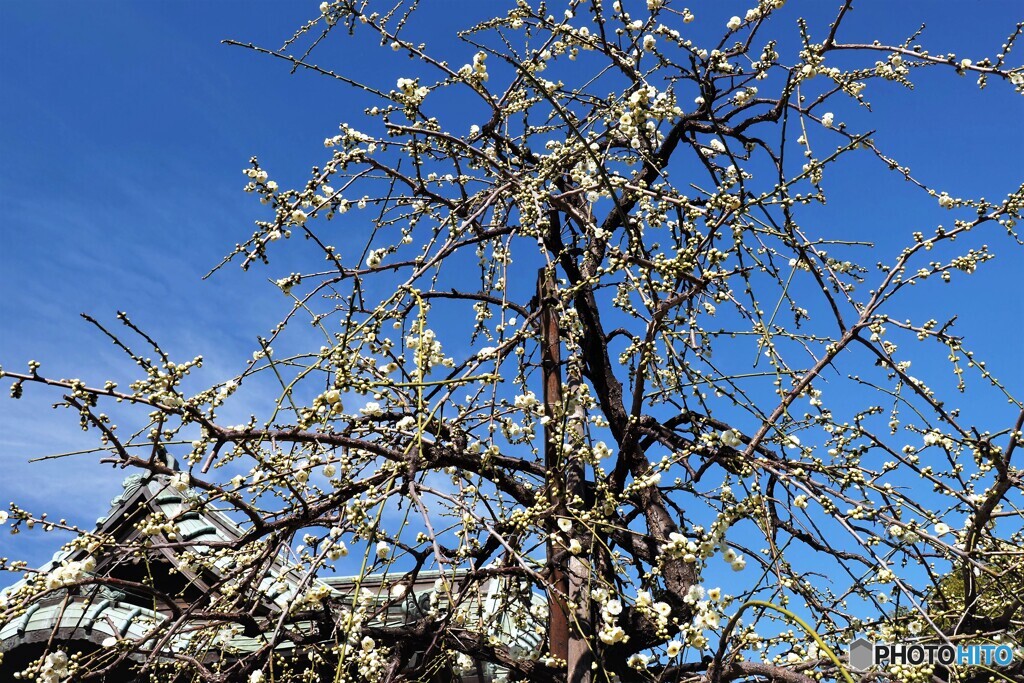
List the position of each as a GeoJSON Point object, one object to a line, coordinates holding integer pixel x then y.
{"type": "Point", "coordinates": [99, 613]}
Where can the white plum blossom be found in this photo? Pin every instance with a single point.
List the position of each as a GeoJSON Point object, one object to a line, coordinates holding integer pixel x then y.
{"type": "Point", "coordinates": [55, 667]}
{"type": "Point", "coordinates": [464, 663]}
{"type": "Point", "coordinates": [179, 481]}
{"type": "Point", "coordinates": [372, 409]}
{"type": "Point", "coordinates": [333, 397]}
{"type": "Point", "coordinates": [731, 438]}
{"type": "Point", "coordinates": [937, 438]}
{"type": "Point", "coordinates": [694, 595]}
{"type": "Point", "coordinates": [638, 660]}
{"type": "Point", "coordinates": [611, 634]}
{"type": "Point", "coordinates": [69, 572]}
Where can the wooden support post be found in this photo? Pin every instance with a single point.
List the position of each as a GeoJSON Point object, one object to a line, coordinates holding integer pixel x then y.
{"type": "Point", "coordinates": [574, 475]}
{"type": "Point", "coordinates": [551, 359]}
{"type": "Point", "coordinates": [565, 481]}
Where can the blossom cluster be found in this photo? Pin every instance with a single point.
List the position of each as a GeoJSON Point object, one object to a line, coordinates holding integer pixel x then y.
{"type": "Point", "coordinates": [69, 572]}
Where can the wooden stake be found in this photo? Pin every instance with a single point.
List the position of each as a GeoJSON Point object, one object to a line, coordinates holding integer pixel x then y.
{"type": "Point", "coordinates": [551, 359]}
{"type": "Point", "coordinates": [565, 481]}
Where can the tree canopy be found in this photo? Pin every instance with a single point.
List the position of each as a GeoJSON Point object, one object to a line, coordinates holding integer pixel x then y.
{"type": "Point", "coordinates": [575, 318]}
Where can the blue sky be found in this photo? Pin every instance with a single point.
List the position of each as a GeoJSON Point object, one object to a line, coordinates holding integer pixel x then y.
{"type": "Point", "coordinates": [126, 125]}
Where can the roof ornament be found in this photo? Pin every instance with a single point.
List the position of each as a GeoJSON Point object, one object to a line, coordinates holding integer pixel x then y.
{"type": "Point", "coordinates": [133, 482]}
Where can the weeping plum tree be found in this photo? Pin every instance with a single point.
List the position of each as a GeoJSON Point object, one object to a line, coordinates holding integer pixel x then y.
{"type": "Point", "coordinates": [579, 326]}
